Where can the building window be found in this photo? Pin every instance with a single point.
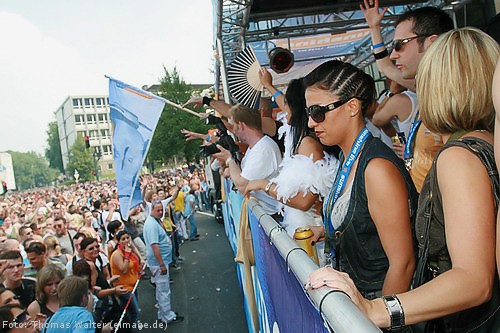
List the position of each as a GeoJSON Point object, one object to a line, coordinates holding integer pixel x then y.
{"type": "Point", "coordinates": [77, 102]}
{"type": "Point", "coordinates": [91, 118]}
{"type": "Point", "coordinates": [104, 133]}
{"type": "Point", "coordinates": [81, 133]}
{"type": "Point", "coordinates": [88, 102]}
{"type": "Point", "coordinates": [106, 149]}
{"type": "Point", "coordinates": [93, 134]}
{"type": "Point", "coordinates": [103, 117]}
{"type": "Point", "coordinates": [98, 101]}
{"type": "Point", "coordinates": [79, 119]}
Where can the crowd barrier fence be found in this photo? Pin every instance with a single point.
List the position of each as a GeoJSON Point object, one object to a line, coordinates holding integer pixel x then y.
{"type": "Point", "coordinates": [279, 274]}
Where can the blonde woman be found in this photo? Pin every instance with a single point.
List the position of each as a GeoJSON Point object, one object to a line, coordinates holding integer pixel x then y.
{"type": "Point", "coordinates": [456, 289]}
{"type": "Point", "coordinates": [54, 250]}
{"type": "Point", "coordinates": [46, 301]}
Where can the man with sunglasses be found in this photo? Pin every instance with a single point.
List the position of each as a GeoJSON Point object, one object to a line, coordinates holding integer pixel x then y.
{"type": "Point", "coordinates": [64, 235]}
{"type": "Point", "coordinates": [414, 33]}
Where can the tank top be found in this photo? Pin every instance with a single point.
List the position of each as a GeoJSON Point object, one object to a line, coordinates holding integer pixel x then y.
{"type": "Point", "coordinates": [129, 279]}
{"type": "Point", "coordinates": [404, 126]}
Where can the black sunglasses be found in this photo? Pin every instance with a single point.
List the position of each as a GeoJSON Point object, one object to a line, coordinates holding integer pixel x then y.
{"type": "Point", "coordinates": [317, 112]}
{"type": "Point", "coordinates": [398, 44]}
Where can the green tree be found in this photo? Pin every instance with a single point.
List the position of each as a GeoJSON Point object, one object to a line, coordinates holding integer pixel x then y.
{"type": "Point", "coordinates": [168, 142]}
{"type": "Point", "coordinates": [53, 150]}
{"type": "Point", "coordinates": [80, 158]}
{"type": "Point", "coordinates": [31, 170]}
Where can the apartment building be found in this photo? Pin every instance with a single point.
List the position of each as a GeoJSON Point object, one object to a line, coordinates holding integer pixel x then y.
{"type": "Point", "coordinates": [82, 116]}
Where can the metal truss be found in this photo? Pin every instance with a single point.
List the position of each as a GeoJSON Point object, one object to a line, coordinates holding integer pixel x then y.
{"type": "Point", "coordinates": [233, 17]}
{"type": "Point", "coordinates": [237, 26]}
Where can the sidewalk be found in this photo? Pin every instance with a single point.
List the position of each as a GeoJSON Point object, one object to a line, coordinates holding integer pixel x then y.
{"type": "Point", "coordinates": [206, 290]}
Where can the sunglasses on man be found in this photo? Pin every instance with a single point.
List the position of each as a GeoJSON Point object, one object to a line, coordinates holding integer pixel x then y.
{"type": "Point", "coordinates": [397, 44]}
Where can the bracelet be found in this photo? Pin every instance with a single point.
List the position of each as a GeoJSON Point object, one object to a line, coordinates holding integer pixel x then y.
{"type": "Point", "coordinates": [381, 55]}
{"type": "Point", "coordinates": [206, 100]}
{"type": "Point", "coordinates": [396, 313]}
{"type": "Point", "coordinates": [276, 94]}
{"type": "Point", "coordinates": [229, 161]}
{"type": "Point", "coordinates": [162, 265]}
{"type": "Point", "coordinates": [376, 46]}
{"type": "Point", "coordinates": [268, 187]}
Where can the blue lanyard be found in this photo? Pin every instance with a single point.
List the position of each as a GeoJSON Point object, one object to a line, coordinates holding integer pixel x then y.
{"type": "Point", "coordinates": [415, 123]}
{"type": "Point", "coordinates": [341, 180]}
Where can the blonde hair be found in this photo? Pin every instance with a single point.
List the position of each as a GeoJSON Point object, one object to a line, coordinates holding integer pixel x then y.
{"type": "Point", "coordinates": [454, 82]}
{"type": "Point", "coordinates": [246, 115]}
{"type": "Point", "coordinates": [52, 243]}
{"type": "Point", "coordinates": [46, 275]}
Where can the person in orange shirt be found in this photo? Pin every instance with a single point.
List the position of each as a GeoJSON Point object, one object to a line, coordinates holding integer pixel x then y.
{"type": "Point", "coordinates": [127, 262]}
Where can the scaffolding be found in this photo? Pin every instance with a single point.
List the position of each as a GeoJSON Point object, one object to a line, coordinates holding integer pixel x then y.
{"type": "Point", "coordinates": [241, 22]}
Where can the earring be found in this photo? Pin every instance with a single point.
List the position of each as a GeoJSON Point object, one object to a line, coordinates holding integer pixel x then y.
{"type": "Point", "coordinates": [352, 114]}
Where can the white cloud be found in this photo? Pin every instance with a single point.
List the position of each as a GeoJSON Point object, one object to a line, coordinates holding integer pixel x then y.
{"type": "Point", "coordinates": [52, 51]}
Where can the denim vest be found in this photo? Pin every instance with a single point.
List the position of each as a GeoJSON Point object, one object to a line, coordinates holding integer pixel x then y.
{"type": "Point", "coordinates": [358, 249]}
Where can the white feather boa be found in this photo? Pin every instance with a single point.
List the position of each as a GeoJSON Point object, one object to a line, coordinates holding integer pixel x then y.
{"type": "Point", "coordinates": [300, 173]}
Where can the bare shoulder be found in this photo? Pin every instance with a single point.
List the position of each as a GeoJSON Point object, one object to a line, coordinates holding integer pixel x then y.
{"type": "Point", "coordinates": [458, 164]}
{"type": "Point", "coordinates": [381, 175]}
{"type": "Point", "coordinates": [310, 145]}
{"type": "Point", "coordinates": [33, 308]}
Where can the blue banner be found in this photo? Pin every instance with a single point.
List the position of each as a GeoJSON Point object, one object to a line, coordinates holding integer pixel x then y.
{"type": "Point", "coordinates": [281, 299]}
{"type": "Point", "coordinates": [134, 113]}
{"type": "Point", "coordinates": [314, 47]}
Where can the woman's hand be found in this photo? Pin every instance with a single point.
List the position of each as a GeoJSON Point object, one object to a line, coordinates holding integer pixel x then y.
{"type": "Point", "coordinates": [371, 11]}
{"type": "Point", "coordinates": [265, 77]}
{"type": "Point", "coordinates": [399, 149]}
{"type": "Point", "coordinates": [318, 231]}
{"type": "Point", "coordinates": [327, 276]}
{"type": "Point", "coordinates": [255, 185]}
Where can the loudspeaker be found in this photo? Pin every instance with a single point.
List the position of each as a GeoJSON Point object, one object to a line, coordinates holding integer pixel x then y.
{"type": "Point", "coordinates": [280, 60]}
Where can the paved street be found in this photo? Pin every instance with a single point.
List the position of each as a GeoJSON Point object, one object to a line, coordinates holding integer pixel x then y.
{"type": "Point", "coordinates": [206, 290]}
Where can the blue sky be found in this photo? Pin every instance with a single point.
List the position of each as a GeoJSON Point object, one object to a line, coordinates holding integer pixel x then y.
{"type": "Point", "coordinates": [55, 48]}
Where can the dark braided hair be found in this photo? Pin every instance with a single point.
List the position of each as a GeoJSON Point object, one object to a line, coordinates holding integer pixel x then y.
{"type": "Point", "coordinates": [343, 80]}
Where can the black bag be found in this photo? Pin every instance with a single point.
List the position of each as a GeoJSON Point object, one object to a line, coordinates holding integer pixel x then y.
{"type": "Point", "coordinates": [481, 319]}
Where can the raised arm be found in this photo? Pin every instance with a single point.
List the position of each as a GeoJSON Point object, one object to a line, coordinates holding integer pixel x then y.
{"type": "Point", "coordinates": [219, 106]}
{"type": "Point", "coordinates": [373, 17]}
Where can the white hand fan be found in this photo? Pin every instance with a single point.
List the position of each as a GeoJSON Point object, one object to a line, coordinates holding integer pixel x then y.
{"type": "Point", "coordinates": [243, 78]}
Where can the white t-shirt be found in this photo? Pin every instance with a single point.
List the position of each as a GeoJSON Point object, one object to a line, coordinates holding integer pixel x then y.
{"type": "Point", "coordinates": [261, 162]}
{"type": "Point", "coordinates": [115, 216]}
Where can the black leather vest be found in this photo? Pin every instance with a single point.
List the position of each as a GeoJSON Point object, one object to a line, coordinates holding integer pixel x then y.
{"type": "Point", "coordinates": [358, 249]}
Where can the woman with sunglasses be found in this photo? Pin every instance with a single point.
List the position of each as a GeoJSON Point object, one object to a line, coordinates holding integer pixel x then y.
{"type": "Point", "coordinates": [456, 285]}
{"type": "Point", "coordinates": [369, 210]}
{"type": "Point", "coordinates": [303, 154]}
{"type": "Point", "coordinates": [106, 293]}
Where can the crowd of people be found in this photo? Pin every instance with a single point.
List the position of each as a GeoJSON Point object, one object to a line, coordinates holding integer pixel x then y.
{"type": "Point", "coordinates": [401, 193]}
{"type": "Point", "coordinates": [409, 203]}
{"type": "Point", "coordinates": [50, 236]}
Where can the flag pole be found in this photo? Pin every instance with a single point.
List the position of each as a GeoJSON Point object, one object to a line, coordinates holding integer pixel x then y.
{"type": "Point", "coordinates": [182, 108]}
{"type": "Point", "coordinates": [129, 300]}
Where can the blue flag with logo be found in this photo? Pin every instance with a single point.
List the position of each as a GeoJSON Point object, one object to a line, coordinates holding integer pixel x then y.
{"type": "Point", "coordinates": [134, 113]}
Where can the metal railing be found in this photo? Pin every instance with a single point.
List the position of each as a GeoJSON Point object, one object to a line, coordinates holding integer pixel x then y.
{"type": "Point", "coordinates": [340, 312]}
